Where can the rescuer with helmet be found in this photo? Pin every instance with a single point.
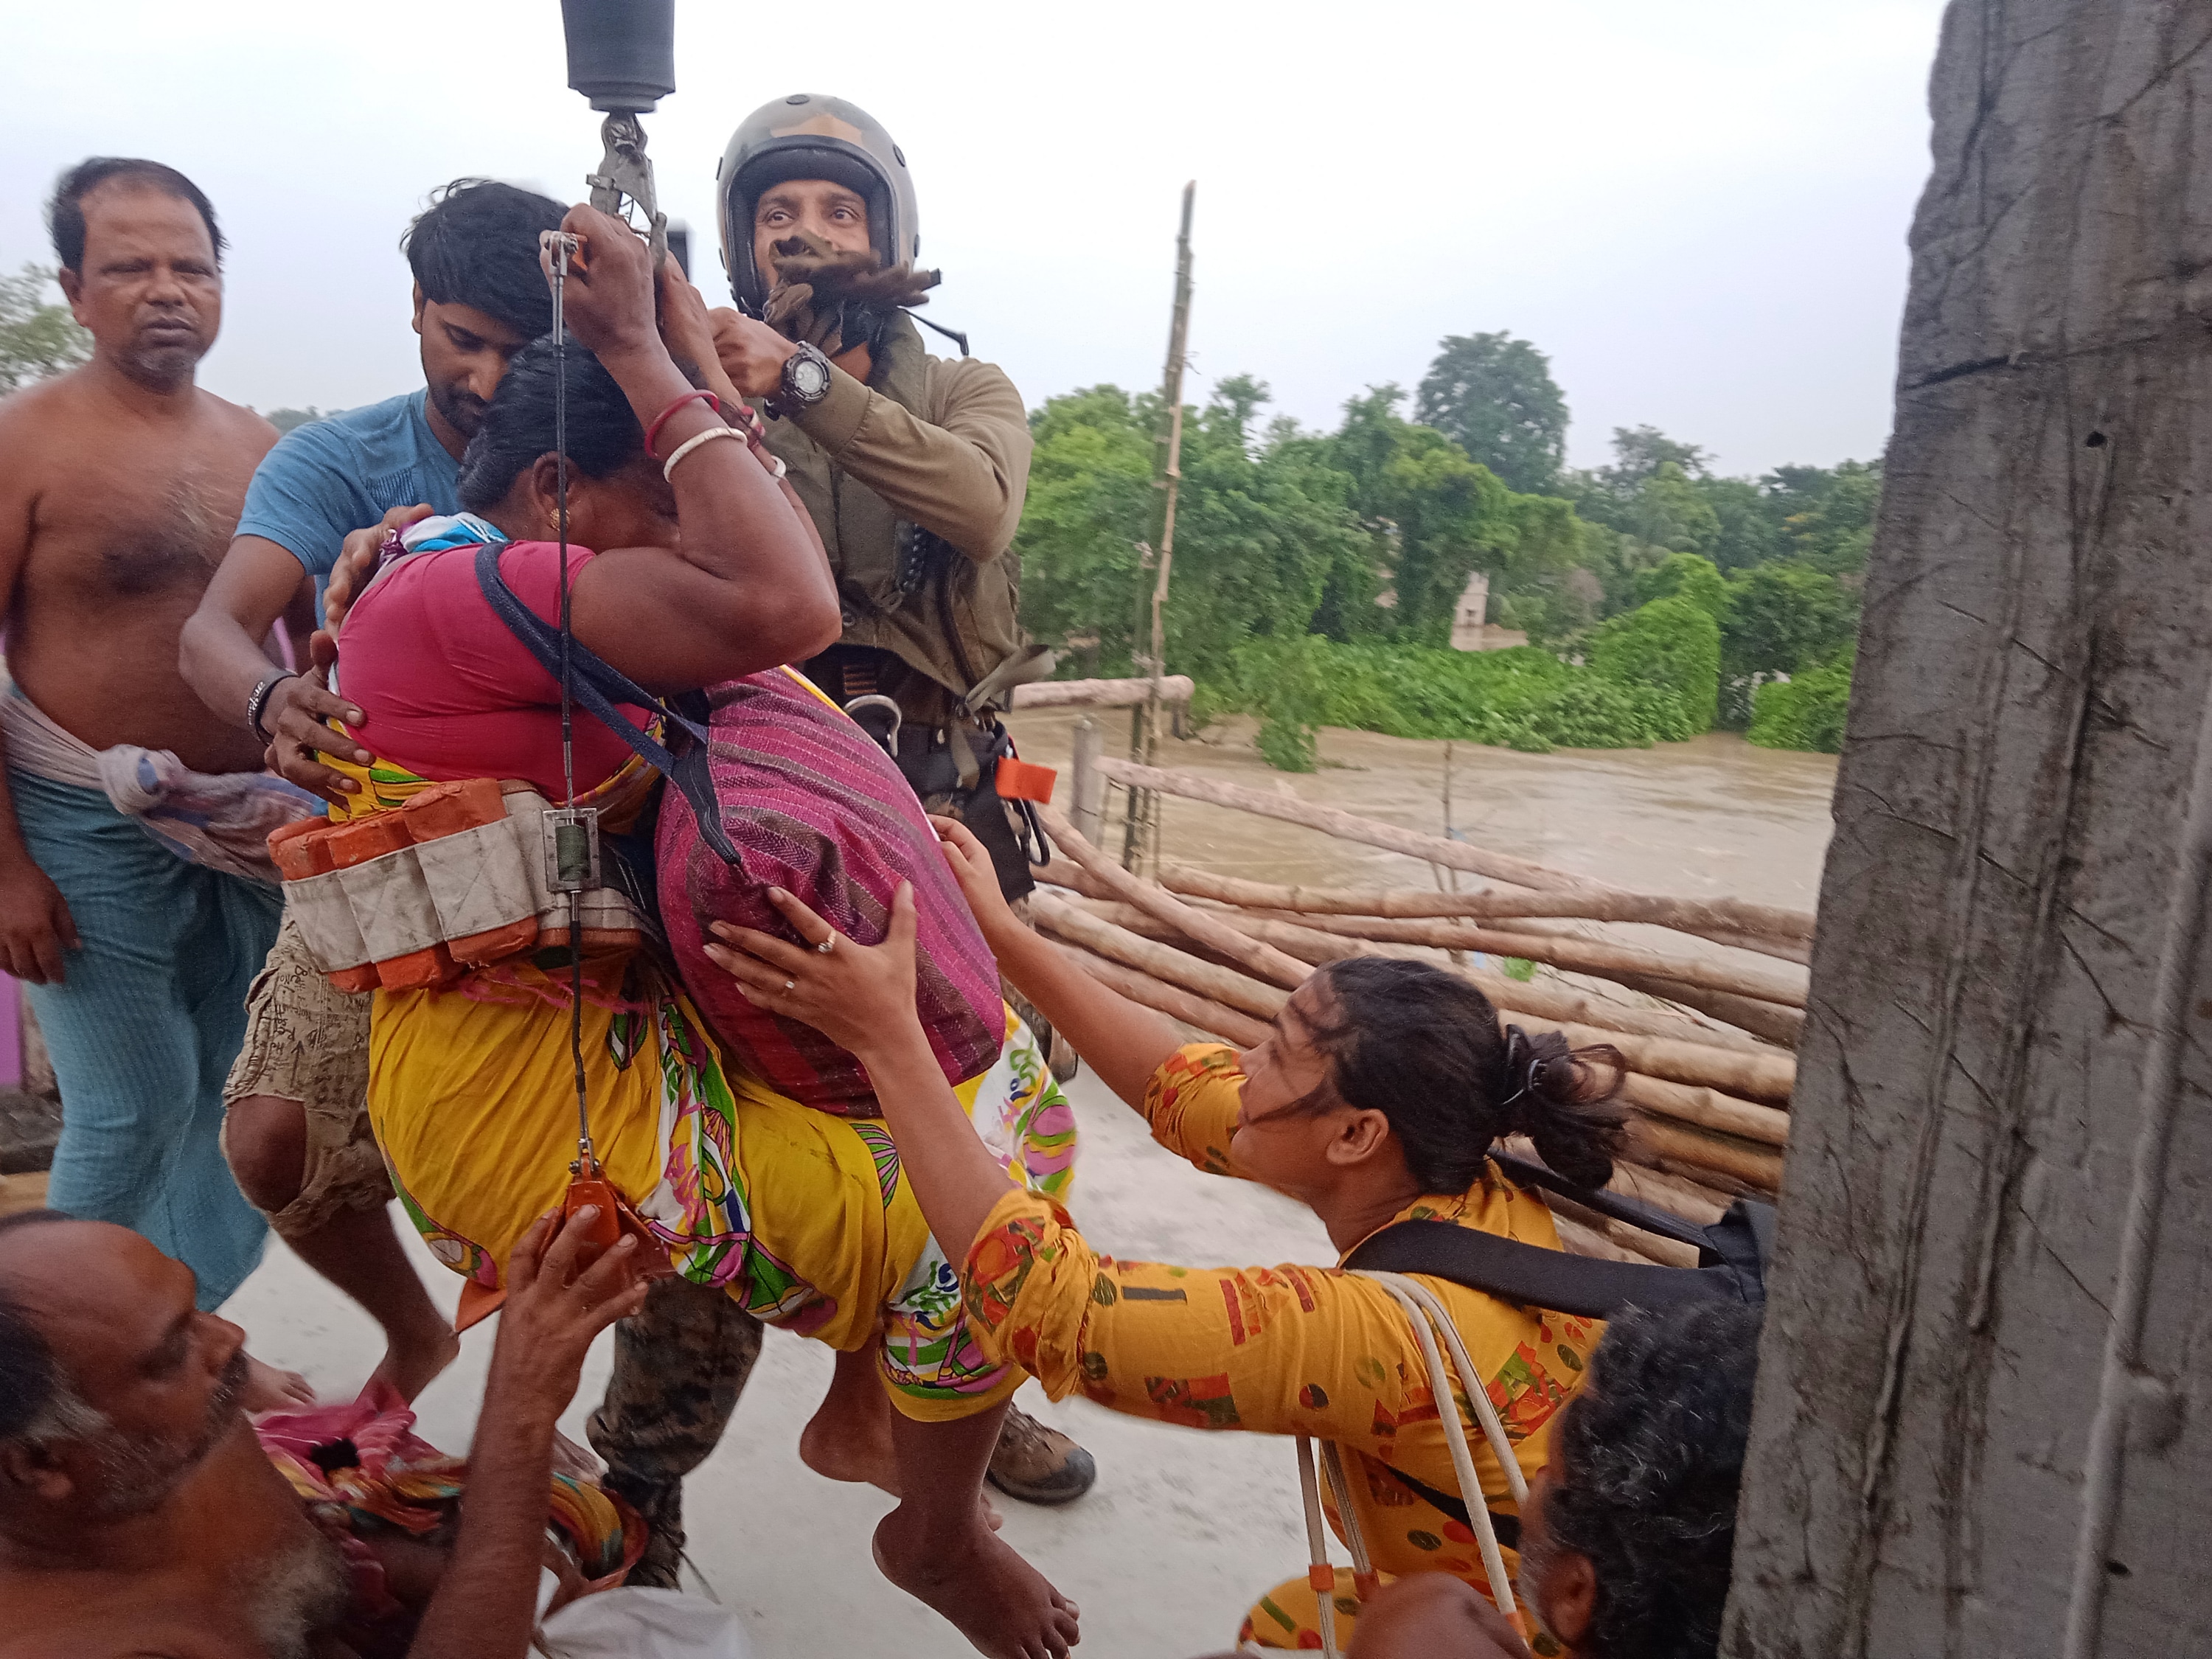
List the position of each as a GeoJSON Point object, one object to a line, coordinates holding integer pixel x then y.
{"type": "Point", "coordinates": [914, 469]}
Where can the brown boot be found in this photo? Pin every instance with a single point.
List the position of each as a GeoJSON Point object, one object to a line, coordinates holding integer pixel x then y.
{"type": "Point", "coordinates": [1040, 1465]}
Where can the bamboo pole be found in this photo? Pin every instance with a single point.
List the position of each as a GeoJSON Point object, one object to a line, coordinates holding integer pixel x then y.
{"type": "Point", "coordinates": [1315, 946]}
{"type": "Point", "coordinates": [1409, 902]}
{"type": "Point", "coordinates": [1550, 999]}
{"type": "Point", "coordinates": [1208, 928]}
{"type": "Point", "coordinates": [1641, 1245]}
{"type": "Point", "coordinates": [1740, 1120]}
{"type": "Point", "coordinates": [1768, 1076]}
{"type": "Point", "coordinates": [1143, 825]}
{"type": "Point", "coordinates": [1574, 953]}
{"type": "Point", "coordinates": [1685, 914]}
{"type": "Point", "coordinates": [1707, 1108]}
{"type": "Point", "coordinates": [1769, 1020]}
{"type": "Point", "coordinates": [1575, 1239]}
{"type": "Point", "coordinates": [1674, 1145]}
{"type": "Point", "coordinates": [1164, 961]}
{"type": "Point", "coordinates": [1214, 1018]}
{"type": "Point", "coordinates": [1099, 694]}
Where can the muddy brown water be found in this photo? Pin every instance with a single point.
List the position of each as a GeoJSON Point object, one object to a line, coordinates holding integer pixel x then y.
{"type": "Point", "coordinates": [1713, 817]}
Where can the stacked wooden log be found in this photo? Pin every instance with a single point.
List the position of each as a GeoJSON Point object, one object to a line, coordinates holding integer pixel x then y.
{"type": "Point", "coordinates": [1705, 1032]}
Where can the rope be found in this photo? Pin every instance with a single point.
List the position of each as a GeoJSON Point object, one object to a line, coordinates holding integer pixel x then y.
{"type": "Point", "coordinates": [1321, 1577]}
{"type": "Point", "coordinates": [1422, 1307]}
{"type": "Point", "coordinates": [561, 248]}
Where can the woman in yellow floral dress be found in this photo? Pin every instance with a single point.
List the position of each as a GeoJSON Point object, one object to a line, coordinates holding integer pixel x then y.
{"type": "Point", "coordinates": [1375, 1098]}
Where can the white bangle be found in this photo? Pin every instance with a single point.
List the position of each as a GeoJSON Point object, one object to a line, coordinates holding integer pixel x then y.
{"type": "Point", "coordinates": [668, 467]}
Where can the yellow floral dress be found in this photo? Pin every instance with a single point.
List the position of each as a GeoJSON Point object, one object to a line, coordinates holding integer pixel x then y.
{"type": "Point", "coordinates": [1285, 1350]}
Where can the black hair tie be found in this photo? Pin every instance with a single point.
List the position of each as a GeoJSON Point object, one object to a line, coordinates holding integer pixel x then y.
{"type": "Point", "coordinates": [1524, 1069]}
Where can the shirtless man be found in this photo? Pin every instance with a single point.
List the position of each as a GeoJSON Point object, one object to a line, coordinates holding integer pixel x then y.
{"type": "Point", "coordinates": [121, 484]}
{"type": "Point", "coordinates": [139, 1516]}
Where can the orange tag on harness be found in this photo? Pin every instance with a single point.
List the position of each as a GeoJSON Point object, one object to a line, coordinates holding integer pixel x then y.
{"type": "Point", "coordinates": [1018, 779]}
{"type": "Point", "coordinates": [1321, 1579]}
{"type": "Point", "coordinates": [588, 1191]}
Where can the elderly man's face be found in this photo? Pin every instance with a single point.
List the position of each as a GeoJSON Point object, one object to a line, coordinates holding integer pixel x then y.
{"type": "Point", "coordinates": [164, 1378]}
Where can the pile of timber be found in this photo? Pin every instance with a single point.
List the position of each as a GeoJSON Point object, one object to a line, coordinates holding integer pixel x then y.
{"type": "Point", "coordinates": [1706, 1040]}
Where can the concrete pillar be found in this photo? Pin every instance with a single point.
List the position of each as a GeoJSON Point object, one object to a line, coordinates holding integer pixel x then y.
{"type": "Point", "coordinates": [1985, 1418]}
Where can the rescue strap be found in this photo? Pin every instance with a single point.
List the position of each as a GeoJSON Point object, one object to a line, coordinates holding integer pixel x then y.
{"type": "Point", "coordinates": [600, 686]}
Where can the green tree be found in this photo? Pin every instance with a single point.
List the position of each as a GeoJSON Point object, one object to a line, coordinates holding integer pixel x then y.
{"type": "Point", "coordinates": [38, 337]}
{"type": "Point", "coordinates": [1750, 533]}
{"type": "Point", "coordinates": [285, 419]}
{"type": "Point", "coordinates": [1685, 576]}
{"type": "Point", "coordinates": [1783, 616]}
{"type": "Point", "coordinates": [1673, 644]}
{"type": "Point", "coordinates": [1834, 527]}
{"type": "Point", "coordinates": [1806, 711]}
{"type": "Point", "coordinates": [1433, 517]}
{"type": "Point", "coordinates": [1261, 523]}
{"type": "Point", "coordinates": [1494, 396]}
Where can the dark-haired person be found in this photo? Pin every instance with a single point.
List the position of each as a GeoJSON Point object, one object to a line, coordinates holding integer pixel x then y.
{"type": "Point", "coordinates": [295, 1131]}
{"type": "Point", "coordinates": [1627, 1550]}
{"type": "Point", "coordinates": [1628, 1533]}
{"type": "Point", "coordinates": [915, 468]}
{"type": "Point", "coordinates": [121, 484]}
{"type": "Point", "coordinates": [693, 566]}
{"type": "Point", "coordinates": [1375, 1098]}
{"type": "Point", "coordinates": [140, 1518]}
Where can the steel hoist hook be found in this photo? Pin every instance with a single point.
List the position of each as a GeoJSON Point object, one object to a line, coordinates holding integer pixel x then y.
{"type": "Point", "coordinates": [624, 180]}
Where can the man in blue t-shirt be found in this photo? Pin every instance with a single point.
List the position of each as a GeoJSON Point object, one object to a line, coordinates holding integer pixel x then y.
{"type": "Point", "coordinates": [295, 1129]}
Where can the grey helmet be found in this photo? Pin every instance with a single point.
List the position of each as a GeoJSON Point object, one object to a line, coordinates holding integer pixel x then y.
{"type": "Point", "coordinates": [808, 136]}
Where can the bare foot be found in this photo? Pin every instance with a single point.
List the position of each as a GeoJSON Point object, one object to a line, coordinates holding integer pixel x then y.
{"type": "Point", "coordinates": [412, 1360]}
{"type": "Point", "coordinates": [837, 1446]}
{"type": "Point", "coordinates": [998, 1601]}
{"type": "Point", "coordinates": [841, 1444]}
{"type": "Point", "coordinates": [268, 1389]}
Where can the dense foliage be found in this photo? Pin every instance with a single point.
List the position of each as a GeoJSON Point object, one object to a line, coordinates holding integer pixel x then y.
{"type": "Point", "coordinates": [38, 335]}
{"type": "Point", "coordinates": [1806, 711]}
{"type": "Point", "coordinates": [1316, 574]}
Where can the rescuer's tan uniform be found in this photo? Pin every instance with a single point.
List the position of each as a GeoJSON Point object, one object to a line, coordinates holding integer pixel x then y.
{"type": "Point", "coordinates": [942, 444]}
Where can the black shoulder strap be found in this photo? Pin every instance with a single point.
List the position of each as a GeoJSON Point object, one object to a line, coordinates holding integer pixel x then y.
{"type": "Point", "coordinates": [1733, 1254]}
{"type": "Point", "coordinates": [1528, 1172]}
{"type": "Point", "coordinates": [600, 686]}
{"type": "Point", "coordinates": [1590, 1286]}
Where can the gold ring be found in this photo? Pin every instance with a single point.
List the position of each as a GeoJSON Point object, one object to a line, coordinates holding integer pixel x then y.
{"type": "Point", "coordinates": [824, 946]}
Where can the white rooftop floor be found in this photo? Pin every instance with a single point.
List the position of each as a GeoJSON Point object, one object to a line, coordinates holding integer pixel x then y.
{"type": "Point", "coordinates": [1182, 1531]}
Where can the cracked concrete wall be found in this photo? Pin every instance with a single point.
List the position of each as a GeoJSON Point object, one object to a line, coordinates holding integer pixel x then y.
{"type": "Point", "coordinates": [2011, 814]}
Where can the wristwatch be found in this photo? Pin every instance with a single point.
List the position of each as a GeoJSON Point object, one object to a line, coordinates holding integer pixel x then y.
{"type": "Point", "coordinates": [806, 381]}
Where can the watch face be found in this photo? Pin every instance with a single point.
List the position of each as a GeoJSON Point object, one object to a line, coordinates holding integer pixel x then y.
{"type": "Point", "coordinates": [809, 377]}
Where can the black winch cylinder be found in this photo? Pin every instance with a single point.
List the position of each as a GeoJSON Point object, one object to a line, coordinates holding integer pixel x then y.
{"type": "Point", "coordinates": [621, 53]}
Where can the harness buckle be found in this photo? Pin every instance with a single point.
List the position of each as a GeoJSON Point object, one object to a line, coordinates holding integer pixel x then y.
{"type": "Point", "coordinates": [572, 848]}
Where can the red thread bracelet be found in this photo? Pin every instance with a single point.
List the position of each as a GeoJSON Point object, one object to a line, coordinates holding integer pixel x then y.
{"type": "Point", "coordinates": [652, 432]}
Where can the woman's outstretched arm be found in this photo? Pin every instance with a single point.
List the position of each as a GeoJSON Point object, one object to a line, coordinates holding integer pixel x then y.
{"type": "Point", "coordinates": [861, 997]}
{"type": "Point", "coordinates": [1123, 1042]}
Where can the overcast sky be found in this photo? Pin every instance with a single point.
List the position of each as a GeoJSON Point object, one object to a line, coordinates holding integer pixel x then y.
{"type": "Point", "coordinates": [1698, 209]}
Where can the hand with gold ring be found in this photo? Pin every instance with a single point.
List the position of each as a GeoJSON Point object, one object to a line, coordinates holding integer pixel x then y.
{"type": "Point", "coordinates": [858, 998]}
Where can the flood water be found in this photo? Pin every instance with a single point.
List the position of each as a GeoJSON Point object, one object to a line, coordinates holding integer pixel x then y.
{"type": "Point", "coordinates": [1712, 818]}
